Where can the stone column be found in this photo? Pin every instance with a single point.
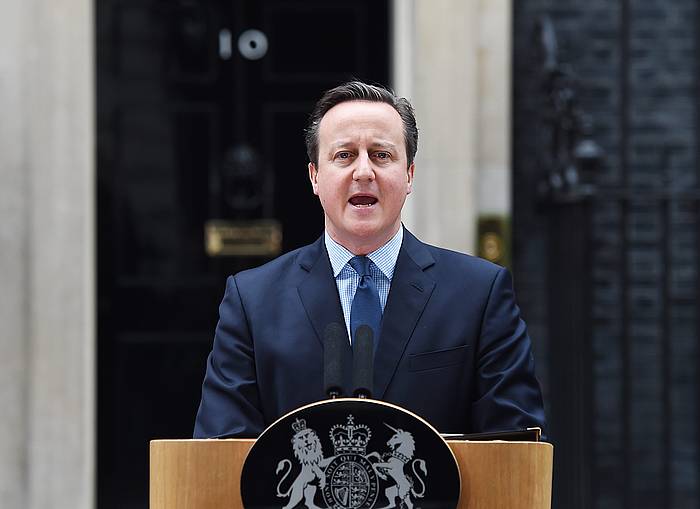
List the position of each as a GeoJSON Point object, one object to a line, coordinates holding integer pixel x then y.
{"type": "Point", "coordinates": [494, 107]}
{"type": "Point", "coordinates": [451, 59]}
{"type": "Point", "coordinates": [47, 260]}
{"type": "Point", "coordinates": [13, 265]}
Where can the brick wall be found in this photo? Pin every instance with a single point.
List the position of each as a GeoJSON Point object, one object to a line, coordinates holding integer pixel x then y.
{"type": "Point", "coordinates": [636, 67]}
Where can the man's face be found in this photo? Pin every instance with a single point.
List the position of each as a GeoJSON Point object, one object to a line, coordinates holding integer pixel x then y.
{"type": "Point", "coordinates": [362, 178]}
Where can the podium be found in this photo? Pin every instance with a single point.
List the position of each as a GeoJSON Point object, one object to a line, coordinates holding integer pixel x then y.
{"type": "Point", "coordinates": [205, 474]}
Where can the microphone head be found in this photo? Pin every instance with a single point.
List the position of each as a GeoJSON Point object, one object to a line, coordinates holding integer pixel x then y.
{"type": "Point", "coordinates": [363, 362]}
{"type": "Point", "coordinates": [335, 345]}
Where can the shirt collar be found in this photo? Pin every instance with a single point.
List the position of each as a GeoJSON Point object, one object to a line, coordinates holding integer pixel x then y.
{"type": "Point", "coordinates": [384, 258]}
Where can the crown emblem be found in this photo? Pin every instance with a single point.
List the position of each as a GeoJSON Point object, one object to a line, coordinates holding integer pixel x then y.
{"type": "Point", "coordinates": [299, 425]}
{"type": "Point", "coordinates": [351, 438]}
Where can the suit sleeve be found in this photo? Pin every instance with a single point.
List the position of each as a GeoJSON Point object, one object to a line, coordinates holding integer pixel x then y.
{"type": "Point", "coordinates": [230, 405]}
{"type": "Point", "coordinates": [508, 394]}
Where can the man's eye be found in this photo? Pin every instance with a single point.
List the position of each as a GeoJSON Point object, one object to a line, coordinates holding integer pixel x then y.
{"type": "Point", "coordinates": [343, 155]}
{"type": "Point", "coordinates": [382, 155]}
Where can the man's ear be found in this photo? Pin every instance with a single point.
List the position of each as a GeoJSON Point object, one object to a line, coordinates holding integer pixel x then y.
{"type": "Point", "coordinates": [409, 186]}
{"type": "Point", "coordinates": [313, 177]}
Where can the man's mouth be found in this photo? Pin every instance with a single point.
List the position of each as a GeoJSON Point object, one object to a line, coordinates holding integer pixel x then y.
{"type": "Point", "coordinates": [362, 200]}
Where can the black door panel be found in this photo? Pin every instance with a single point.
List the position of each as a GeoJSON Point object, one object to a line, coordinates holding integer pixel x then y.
{"type": "Point", "coordinates": [190, 130]}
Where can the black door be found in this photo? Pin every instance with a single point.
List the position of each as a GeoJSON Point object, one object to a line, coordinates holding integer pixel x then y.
{"type": "Point", "coordinates": [201, 106]}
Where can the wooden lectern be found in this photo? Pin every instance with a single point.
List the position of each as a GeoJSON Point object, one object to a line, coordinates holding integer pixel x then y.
{"type": "Point", "coordinates": [205, 474]}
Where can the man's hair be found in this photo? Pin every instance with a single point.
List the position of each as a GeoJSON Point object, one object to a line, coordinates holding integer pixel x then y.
{"type": "Point", "coordinates": [359, 91]}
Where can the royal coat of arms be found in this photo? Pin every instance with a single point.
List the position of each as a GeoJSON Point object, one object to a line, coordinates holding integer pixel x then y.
{"type": "Point", "coordinates": [351, 478]}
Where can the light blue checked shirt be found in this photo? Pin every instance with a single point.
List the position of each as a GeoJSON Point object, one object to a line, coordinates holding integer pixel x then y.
{"type": "Point", "coordinates": [382, 270]}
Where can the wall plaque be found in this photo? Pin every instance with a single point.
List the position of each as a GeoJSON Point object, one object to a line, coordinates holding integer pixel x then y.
{"type": "Point", "coordinates": [261, 237]}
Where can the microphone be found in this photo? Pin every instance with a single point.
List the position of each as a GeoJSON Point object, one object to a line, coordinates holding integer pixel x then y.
{"type": "Point", "coordinates": [363, 362]}
{"type": "Point", "coordinates": [334, 357]}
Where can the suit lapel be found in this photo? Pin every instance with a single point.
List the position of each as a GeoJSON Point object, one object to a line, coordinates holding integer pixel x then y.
{"type": "Point", "coordinates": [410, 290]}
{"type": "Point", "coordinates": [318, 291]}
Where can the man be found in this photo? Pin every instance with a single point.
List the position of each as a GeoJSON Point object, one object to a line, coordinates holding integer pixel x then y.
{"type": "Point", "coordinates": [451, 346]}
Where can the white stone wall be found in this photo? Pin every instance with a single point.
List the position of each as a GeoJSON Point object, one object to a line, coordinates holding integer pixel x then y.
{"type": "Point", "coordinates": [47, 339]}
{"type": "Point", "coordinates": [452, 60]}
{"type": "Point", "coordinates": [493, 130]}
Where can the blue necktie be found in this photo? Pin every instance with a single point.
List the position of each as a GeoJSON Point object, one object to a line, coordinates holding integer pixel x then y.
{"type": "Point", "coordinates": [366, 309]}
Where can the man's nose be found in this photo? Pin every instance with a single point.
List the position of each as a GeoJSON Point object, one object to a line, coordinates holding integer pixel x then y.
{"type": "Point", "coordinates": [363, 168]}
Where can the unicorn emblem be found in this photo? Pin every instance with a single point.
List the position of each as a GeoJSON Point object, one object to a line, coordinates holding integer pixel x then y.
{"type": "Point", "coordinates": [391, 465]}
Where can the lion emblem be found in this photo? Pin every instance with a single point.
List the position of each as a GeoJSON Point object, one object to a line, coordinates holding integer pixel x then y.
{"type": "Point", "coordinates": [308, 450]}
{"type": "Point", "coordinates": [391, 464]}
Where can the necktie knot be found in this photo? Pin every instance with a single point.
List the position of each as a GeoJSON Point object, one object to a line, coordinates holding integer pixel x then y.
{"type": "Point", "coordinates": [361, 265]}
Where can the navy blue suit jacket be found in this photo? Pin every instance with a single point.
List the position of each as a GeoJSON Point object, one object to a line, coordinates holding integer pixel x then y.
{"type": "Point", "coordinates": [453, 348]}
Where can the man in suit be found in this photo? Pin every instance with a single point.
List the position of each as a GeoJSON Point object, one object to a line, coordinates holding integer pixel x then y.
{"type": "Point", "coordinates": [451, 346]}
